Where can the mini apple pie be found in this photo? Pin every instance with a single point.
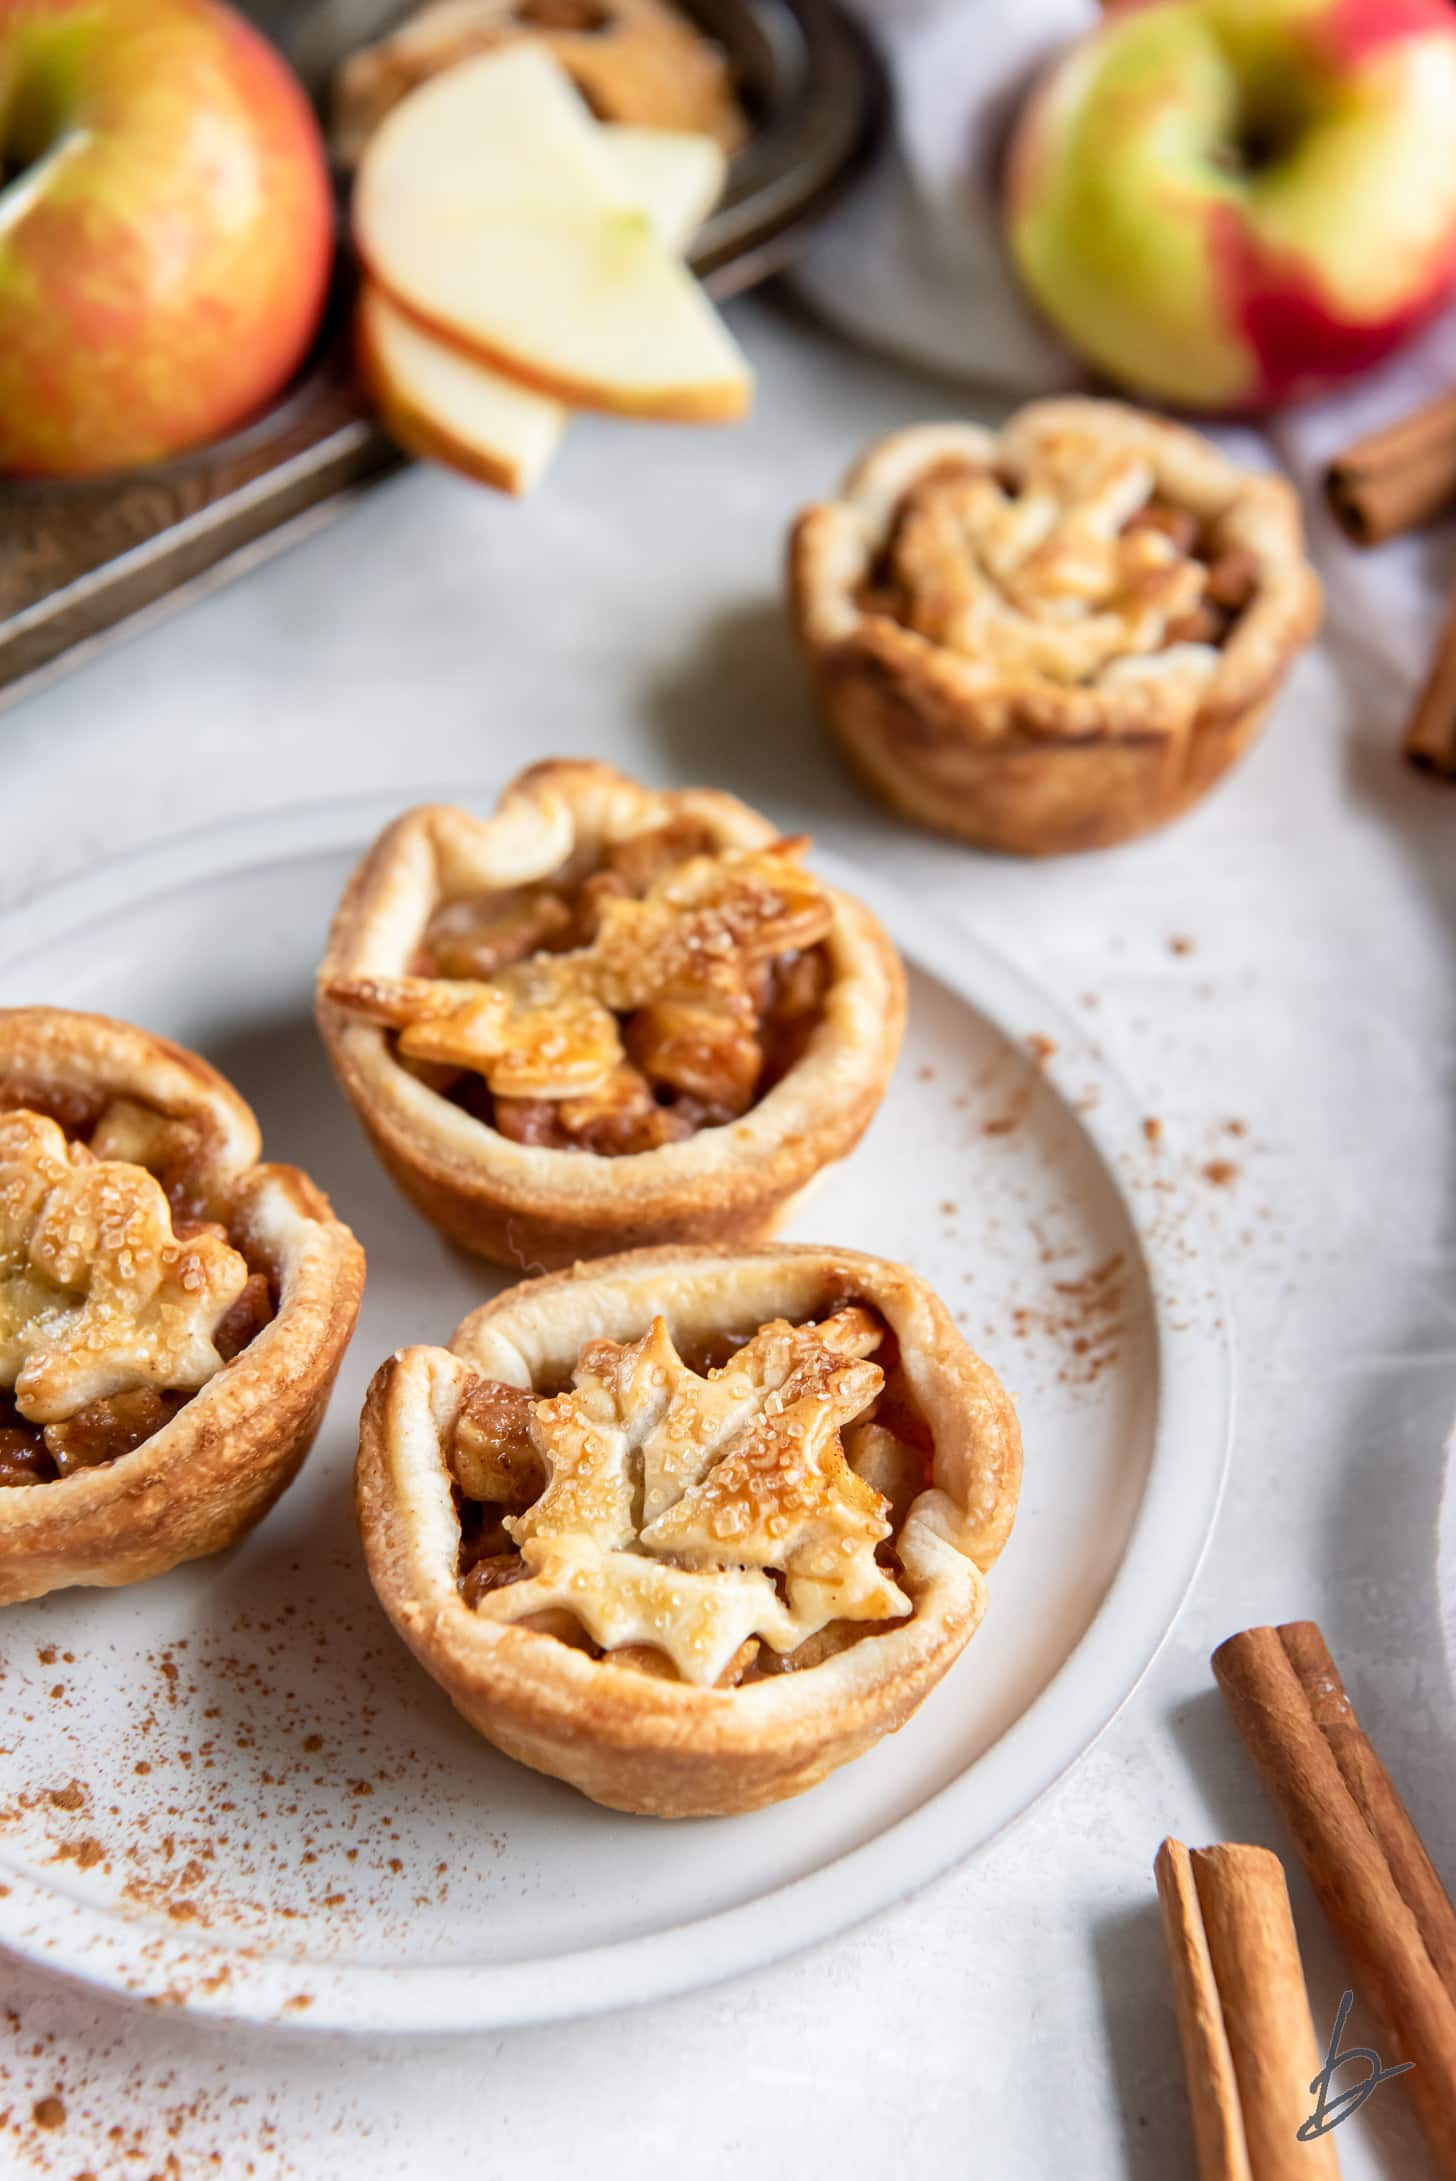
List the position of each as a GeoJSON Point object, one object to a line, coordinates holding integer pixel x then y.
{"type": "Point", "coordinates": [690, 1528]}
{"type": "Point", "coordinates": [1056, 636]}
{"type": "Point", "coordinates": [604, 1016]}
{"type": "Point", "coordinates": [172, 1314]}
{"type": "Point", "coordinates": [635, 61]}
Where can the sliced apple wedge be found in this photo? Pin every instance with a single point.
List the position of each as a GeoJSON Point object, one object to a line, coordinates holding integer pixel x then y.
{"type": "Point", "coordinates": [443, 405]}
{"type": "Point", "coordinates": [489, 207]}
{"type": "Point", "coordinates": [676, 178]}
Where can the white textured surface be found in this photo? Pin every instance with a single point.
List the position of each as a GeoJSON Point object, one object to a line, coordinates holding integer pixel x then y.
{"type": "Point", "coordinates": [1013, 2020]}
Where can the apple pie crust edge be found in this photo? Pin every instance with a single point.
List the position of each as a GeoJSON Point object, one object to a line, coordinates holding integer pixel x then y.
{"type": "Point", "coordinates": [534, 1208]}
{"type": "Point", "coordinates": [663, 1747]}
{"type": "Point", "coordinates": [216, 1467]}
{"type": "Point", "coordinates": [1028, 767]}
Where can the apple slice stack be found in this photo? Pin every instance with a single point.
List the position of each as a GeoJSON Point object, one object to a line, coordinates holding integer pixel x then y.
{"type": "Point", "coordinates": [520, 259]}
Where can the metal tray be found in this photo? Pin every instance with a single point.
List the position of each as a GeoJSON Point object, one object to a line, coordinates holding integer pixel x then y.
{"type": "Point", "coordinates": [77, 559]}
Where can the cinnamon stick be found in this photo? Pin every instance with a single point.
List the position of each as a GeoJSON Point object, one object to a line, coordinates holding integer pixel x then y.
{"type": "Point", "coordinates": [1362, 1854]}
{"type": "Point", "coordinates": [1397, 478]}
{"type": "Point", "coordinates": [1249, 2045]}
{"type": "Point", "coordinates": [1430, 738]}
{"type": "Point", "coordinates": [1375, 1793]}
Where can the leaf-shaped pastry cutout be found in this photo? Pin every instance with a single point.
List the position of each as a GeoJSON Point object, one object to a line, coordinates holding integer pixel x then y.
{"type": "Point", "coordinates": [673, 1499]}
{"type": "Point", "coordinates": [97, 1294]}
{"type": "Point", "coordinates": [546, 1027]}
{"type": "Point", "coordinates": [1051, 574]}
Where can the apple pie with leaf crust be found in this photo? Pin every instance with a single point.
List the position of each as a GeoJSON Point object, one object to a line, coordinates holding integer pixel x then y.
{"type": "Point", "coordinates": [172, 1313]}
{"type": "Point", "coordinates": [689, 1528]}
{"type": "Point", "coordinates": [604, 1016]}
{"type": "Point", "coordinates": [1056, 636]}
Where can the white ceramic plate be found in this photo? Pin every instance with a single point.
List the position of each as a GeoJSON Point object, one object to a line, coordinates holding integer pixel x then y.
{"type": "Point", "coordinates": [232, 1788]}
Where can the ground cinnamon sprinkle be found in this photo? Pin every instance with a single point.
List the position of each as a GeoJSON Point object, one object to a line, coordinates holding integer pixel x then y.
{"type": "Point", "coordinates": [257, 1802]}
{"type": "Point", "coordinates": [1180, 943]}
{"type": "Point", "coordinates": [1222, 1173]}
{"type": "Point", "coordinates": [122, 2119]}
{"type": "Point", "coordinates": [1083, 1316]}
{"type": "Point", "coordinates": [85, 1854]}
{"type": "Point", "coordinates": [1152, 1128]}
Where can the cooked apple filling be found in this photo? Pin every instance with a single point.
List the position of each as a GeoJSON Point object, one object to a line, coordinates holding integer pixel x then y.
{"type": "Point", "coordinates": [664, 991]}
{"type": "Point", "coordinates": [113, 1311]}
{"type": "Point", "coordinates": [710, 1524]}
{"type": "Point", "coordinates": [1061, 563]}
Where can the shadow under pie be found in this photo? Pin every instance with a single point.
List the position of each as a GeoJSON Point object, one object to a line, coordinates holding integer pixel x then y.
{"type": "Point", "coordinates": [1054, 637]}
{"type": "Point", "coordinates": [172, 1312]}
{"type": "Point", "coordinates": [690, 1528]}
{"type": "Point", "coordinates": [604, 1016]}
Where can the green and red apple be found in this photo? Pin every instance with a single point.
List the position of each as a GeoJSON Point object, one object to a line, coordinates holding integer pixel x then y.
{"type": "Point", "coordinates": [166, 229]}
{"type": "Point", "coordinates": [1228, 204]}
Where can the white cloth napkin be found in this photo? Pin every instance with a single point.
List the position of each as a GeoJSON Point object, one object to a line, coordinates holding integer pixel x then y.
{"type": "Point", "coordinates": [915, 265]}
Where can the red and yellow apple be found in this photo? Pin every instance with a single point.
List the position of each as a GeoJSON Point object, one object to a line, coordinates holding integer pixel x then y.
{"type": "Point", "coordinates": [1228, 204]}
{"type": "Point", "coordinates": [166, 229]}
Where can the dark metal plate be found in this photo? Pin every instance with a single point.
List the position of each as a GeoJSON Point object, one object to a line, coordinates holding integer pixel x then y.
{"type": "Point", "coordinates": [79, 559]}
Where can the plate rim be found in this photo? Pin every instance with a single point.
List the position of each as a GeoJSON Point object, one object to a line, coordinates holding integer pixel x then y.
{"type": "Point", "coordinates": [1164, 1552]}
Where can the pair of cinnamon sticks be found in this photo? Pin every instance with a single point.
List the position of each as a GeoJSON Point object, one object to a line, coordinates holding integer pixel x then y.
{"type": "Point", "coordinates": [1392, 481]}
{"type": "Point", "coordinates": [1243, 2016]}
{"type": "Point", "coordinates": [1253, 2060]}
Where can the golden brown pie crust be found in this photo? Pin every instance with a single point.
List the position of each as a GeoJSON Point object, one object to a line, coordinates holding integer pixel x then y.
{"type": "Point", "coordinates": [663, 1746]}
{"type": "Point", "coordinates": [1007, 756]}
{"type": "Point", "coordinates": [532, 1207]}
{"type": "Point", "coordinates": [634, 61]}
{"type": "Point", "coordinates": [216, 1467]}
